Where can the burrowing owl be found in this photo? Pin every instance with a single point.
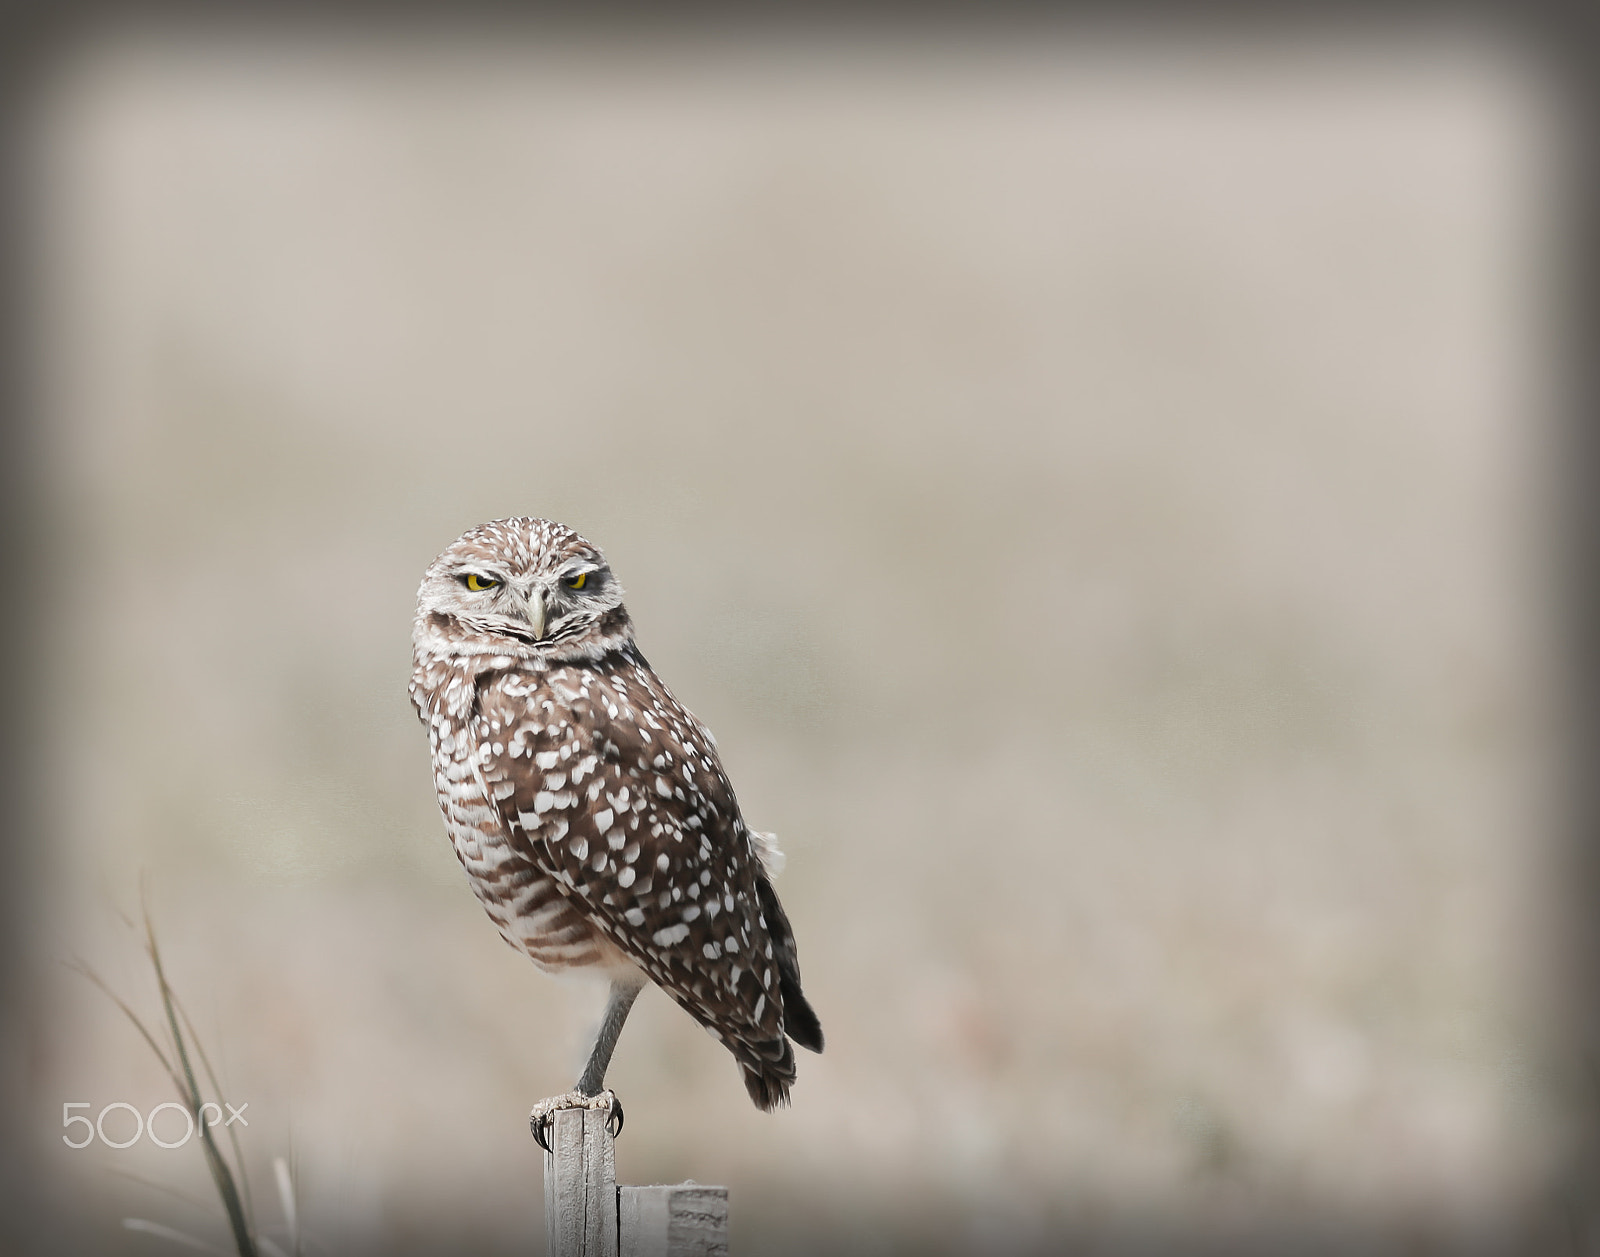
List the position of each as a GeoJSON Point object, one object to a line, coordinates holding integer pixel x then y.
{"type": "Point", "coordinates": [589, 808]}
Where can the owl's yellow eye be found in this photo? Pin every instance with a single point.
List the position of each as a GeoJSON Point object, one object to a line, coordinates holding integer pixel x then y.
{"type": "Point", "coordinates": [478, 583]}
{"type": "Point", "coordinates": [576, 582]}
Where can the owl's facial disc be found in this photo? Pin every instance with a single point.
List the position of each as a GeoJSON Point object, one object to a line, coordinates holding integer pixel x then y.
{"type": "Point", "coordinates": [521, 585]}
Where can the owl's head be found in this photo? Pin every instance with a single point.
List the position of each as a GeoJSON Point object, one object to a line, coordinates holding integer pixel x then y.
{"type": "Point", "coordinates": [526, 587]}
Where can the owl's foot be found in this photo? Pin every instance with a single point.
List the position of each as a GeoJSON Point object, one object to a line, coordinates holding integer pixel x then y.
{"type": "Point", "coordinates": [604, 1101]}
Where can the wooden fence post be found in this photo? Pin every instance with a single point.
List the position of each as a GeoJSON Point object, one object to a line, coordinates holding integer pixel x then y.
{"type": "Point", "coordinates": [580, 1186]}
{"type": "Point", "coordinates": [587, 1215]}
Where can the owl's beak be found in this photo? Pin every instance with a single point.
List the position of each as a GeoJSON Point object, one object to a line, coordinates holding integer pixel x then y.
{"type": "Point", "coordinates": [536, 613]}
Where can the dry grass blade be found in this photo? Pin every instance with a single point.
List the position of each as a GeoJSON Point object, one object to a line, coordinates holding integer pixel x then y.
{"type": "Point", "coordinates": [134, 1018]}
{"type": "Point", "coordinates": [221, 1173]}
{"type": "Point", "coordinates": [232, 1187]}
{"type": "Point", "coordinates": [216, 1087]}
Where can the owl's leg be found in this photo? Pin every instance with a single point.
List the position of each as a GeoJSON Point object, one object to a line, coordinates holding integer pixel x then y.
{"type": "Point", "coordinates": [591, 1093]}
{"type": "Point", "coordinates": [623, 993]}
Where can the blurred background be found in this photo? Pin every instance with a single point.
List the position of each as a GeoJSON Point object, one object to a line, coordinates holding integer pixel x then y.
{"type": "Point", "coordinates": [1095, 488]}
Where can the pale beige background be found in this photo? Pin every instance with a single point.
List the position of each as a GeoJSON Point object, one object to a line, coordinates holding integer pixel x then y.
{"type": "Point", "coordinates": [1092, 490]}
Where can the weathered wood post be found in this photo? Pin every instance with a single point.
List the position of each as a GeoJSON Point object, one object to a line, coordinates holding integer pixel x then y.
{"type": "Point", "coordinates": [580, 1185]}
{"type": "Point", "coordinates": [587, 1215]}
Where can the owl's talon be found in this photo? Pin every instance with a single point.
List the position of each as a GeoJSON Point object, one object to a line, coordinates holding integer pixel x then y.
{"type": "Point", "coordinates": [605, 1101]}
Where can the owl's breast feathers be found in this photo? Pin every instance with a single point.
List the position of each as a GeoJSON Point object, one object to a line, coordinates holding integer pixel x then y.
{"type": "Point", "coordinates": [598, 778]}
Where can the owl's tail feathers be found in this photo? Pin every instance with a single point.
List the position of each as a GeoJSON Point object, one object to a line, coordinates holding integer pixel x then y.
{"type": "Point", "coordinates": [768, 1091]}
{"type": "Point", "coordinates": [768, 1079]}
{"type": "Point", "coordinates": [769, 1069]}
{"type": "Point", "coordinates": [799, 1018]}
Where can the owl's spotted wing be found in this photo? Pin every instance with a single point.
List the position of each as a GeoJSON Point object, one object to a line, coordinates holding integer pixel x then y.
{"type": "Point", "coordinates": [616, 793]}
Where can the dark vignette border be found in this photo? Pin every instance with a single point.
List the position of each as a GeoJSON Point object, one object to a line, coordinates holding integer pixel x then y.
{"type": "Point", "coordinates": [1561, 39]}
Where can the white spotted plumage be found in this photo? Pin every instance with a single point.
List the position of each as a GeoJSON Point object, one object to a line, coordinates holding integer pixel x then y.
{"type": "Point", "coordinates": [589, 808]}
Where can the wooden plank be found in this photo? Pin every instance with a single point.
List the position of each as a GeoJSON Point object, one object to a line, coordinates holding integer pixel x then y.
{"type": "Point", "coordinates": [682, 1220]}
{"type": "Point", "coordinates": [580, 1186]}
